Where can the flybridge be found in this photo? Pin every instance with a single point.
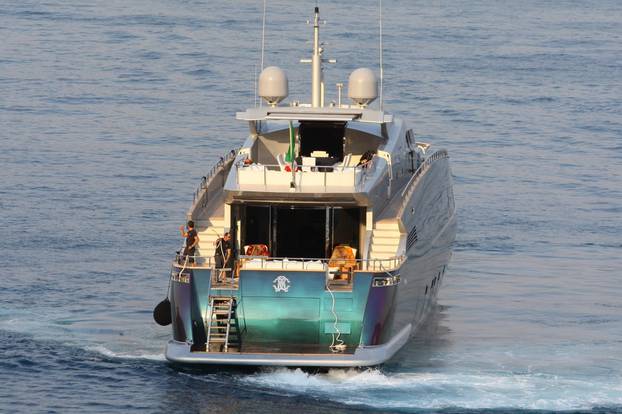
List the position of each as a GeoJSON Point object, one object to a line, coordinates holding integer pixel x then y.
{"type": "Point", "coordinates": [315, 114]}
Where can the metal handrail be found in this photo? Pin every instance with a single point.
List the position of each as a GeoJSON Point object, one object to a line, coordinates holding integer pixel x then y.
{"type": "Point", "coordinates": [299, 168]}
{"type": "Point", "coordinates": [359, 171]}
{"type": "Point", "coordinates": [360, 264]}
{"type": "Point", "coordinates": [198, 261]}
{"type": "Point", "coordinates": [412, 183]}
{"type": "Point", "coordinates": [207, 179]}
{"type": "Point", "coordinates": [207, 262]}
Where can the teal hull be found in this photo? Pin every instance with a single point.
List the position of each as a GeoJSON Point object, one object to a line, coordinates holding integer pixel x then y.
{"type": "Point", "coordinates": [305, 318]}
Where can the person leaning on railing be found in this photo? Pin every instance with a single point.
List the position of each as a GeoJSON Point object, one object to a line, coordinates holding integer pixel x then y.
{"type": "Point", "coordinates": [366, 158]}
{"type": "Point", "coordinates": [192, 239]}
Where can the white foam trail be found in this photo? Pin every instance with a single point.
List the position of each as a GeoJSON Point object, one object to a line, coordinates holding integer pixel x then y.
{"type": "Point", "coordinates": [440, 390]}
{"type": "Point", "coordinates": [107, 352]}
{"type": "Point", "coordinates": [51, 326]}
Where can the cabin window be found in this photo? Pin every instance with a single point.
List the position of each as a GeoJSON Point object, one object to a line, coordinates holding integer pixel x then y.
{"type": "Point", "coordinates": [301, 232]}
{"type": "Point", "coordinates": [322, 136]}
{"type": "Point", "coordinates": [256, 227]}
{"type": "Point", "coordinates": [345, 226]}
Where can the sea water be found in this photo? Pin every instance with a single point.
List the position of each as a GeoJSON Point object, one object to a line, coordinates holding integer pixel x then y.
{"type": "Point", "coordinates": [111, 111]}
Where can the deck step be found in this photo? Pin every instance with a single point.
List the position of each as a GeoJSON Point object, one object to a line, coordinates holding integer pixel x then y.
{"type": "Point", "coordinates": [386, 233]}
{"type": "Point", "coordinates": [381, 248]}
{"type": "Point", "coordinates": [381, 255]}
{"type": "Point", "coordinates": [387, 225]}
{"type": "Point", "coordinates": [386, 241]}
{"type": "Point", "coordinates": [209, 237]}
{"type": "Point", "coordinates": [210, 222]}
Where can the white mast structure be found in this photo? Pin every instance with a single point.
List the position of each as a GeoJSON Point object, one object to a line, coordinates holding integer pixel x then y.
{"type": "Point", "coordinates": [317, 95]}
{"type": "Point", "coordinates": [317, 73]}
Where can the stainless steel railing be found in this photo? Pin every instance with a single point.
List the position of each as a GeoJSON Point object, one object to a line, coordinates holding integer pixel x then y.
{"type": "Point", "coordinates": [304, 263]}
{"type": "Point", "coordinates": [212, 173]}
{"type": "Point", "coordinates": [193, 261]}
{"type": "Point", "coordinates": [412, 183]}
{"type": "Point", "coordinates": [293, 263]}
{"type": "Point", "coordinates": [359, 174]}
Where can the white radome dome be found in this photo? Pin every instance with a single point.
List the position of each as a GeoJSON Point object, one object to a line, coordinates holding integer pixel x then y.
{"type": "Point", "coordinates": [362, 86]}
{"type": "Point", "coordinates": [273, 85]}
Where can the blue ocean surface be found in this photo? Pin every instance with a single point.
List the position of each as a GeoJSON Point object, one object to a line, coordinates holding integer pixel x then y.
{"type": "Point", "coordinates": [111, 111]}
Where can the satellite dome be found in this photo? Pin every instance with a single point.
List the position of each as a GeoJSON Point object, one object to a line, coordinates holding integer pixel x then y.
{"type": "Point", "coordinates": [273, 85]}
{"type": "Point", "coordinates": [362, 86]}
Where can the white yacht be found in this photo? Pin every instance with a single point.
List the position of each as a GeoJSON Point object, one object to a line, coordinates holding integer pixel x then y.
{"type": "Point", "coordinates": [341, 226]}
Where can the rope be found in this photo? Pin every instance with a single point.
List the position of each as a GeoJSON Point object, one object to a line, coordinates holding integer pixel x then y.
{"type": "Point", "coordinates": [184, 266]}
{"type": "Point", "coordinates": [340, 345]}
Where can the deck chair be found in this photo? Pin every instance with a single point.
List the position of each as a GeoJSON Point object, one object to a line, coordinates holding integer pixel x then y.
{"type": "Point", "coordinates": [342, 262]}
{"type": "Point", "coordinates": [340, 166]}
{"type": "Point", "coordinates": [280, 158]}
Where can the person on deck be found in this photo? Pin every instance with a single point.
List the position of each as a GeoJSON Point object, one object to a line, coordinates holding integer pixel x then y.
{"type": "Point", "coordinates": [223, 256]}
{"type": "Point", "coordinates": [365, 160]}
{"type": "Point", "coordinates": [192, 239]}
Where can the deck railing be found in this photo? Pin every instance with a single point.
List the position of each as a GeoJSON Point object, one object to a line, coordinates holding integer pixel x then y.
{"type": "Point", "coordinates": [294, 263]}
{"type": "Point", "coordinates": [412, 183]}
{"type": "Point", "coordinates": [212, 173]}
{"type": "Point", "coordinates": [315, 178]}
{"type": "Point", "coordinates": [304, 263]}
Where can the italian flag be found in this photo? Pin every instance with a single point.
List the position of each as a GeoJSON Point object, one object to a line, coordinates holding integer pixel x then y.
{"type": "Point", "coordinates": [289, 156]}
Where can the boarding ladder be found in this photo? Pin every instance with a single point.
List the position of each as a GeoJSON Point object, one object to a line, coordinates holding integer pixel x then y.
{"type": "Point", "coordinates": [222, 325]}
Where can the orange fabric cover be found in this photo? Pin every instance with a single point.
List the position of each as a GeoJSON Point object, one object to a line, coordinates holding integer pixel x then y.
{"type": "Point", "coordinates": [257, 250]}
{"type": "Point", "coordinates": [342, 257]}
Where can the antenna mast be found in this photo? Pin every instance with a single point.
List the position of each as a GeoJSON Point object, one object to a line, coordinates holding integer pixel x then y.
{"type": "Point", "coordinates": [317, 75]}
{"type": "Point", "coordinates": [316, 63]}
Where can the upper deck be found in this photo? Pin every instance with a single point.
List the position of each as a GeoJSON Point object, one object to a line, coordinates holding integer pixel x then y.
{"type": "Point", "coordinates": [312, 153]}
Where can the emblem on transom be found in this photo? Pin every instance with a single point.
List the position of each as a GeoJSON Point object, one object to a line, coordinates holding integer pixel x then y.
{"type": "Point", "coordinates": [281, 284]}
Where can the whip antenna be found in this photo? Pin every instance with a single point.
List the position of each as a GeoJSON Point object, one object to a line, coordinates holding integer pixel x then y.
{"type": "Point", "coordinates": [254, 80]}
{"type": "Point", "coordinates": [381, 65]}
{"type": "Point", "coordinates": [263, 39]}
{"type": "Point", "coordinates": [263, 32]}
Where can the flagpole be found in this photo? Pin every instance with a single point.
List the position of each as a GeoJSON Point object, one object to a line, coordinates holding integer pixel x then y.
{"type": "Point", "coordinates": [292, 144]}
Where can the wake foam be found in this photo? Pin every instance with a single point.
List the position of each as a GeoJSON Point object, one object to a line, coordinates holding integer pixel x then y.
{"type": "Point", "coordinates": [55, 325]}
{"type": "Point", "coordinates": [374, 388]}
{"type": "Point", "coordinates": [100, 349]}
